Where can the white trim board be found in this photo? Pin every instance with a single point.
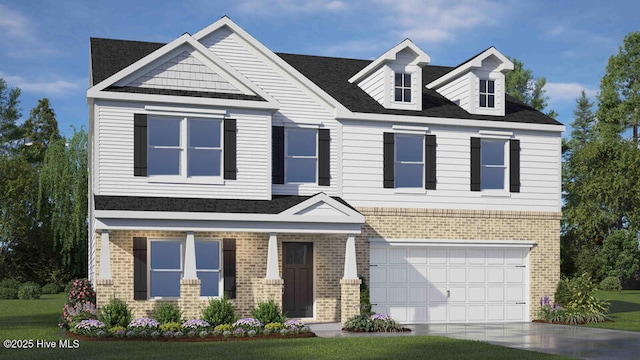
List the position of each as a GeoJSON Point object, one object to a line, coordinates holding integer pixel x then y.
{"type": "Point", "coordinates": [453, 243]}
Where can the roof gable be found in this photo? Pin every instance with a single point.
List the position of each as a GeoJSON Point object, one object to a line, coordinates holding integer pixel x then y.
{"type": "Point", "coordinates": [420, 58]}
{"type": "Point", "coordinates": [499, 61]}
{"type": "Point", "coordinates": [185, 50]}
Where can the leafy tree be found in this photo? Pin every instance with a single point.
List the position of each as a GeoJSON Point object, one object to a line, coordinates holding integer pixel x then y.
{"type": "Point", "coordinates": [62, 190]}
{"type": "Point", "coordinates": [41, 129]}
{"type": "Point", "coordinates": [9, 114]}
{"type": "Point", "coordinates": [619, 99]}
{"type": "Point", "coordinates": [583, 122]}
{"type": "Point", "coordinates": [619, 255]}
{"type": "Point", "coordinates": [521, 84]}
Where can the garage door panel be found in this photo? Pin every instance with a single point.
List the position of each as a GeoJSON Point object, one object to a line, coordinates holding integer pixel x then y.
{"type": "Point", "coordinates": [417, 256]}
{"type": "Point", "coordinates": [495, 275]}
{"type": "Point", "coordinates": [417, 313]}
{"type": "Point", "coordinates": [476, 257]}
{"type": "Point", "coordinates": [397, 275]}
{"type": "Point", "coordinates": [398, 313]}
{"type": "Point", "coordinates": [515, 275]}
{"type": "Point", "coordinates": [495, 257]}
{"type": "Point", "coordinates": [378, 256]}
{"type": "Point", "coordinates": [418, 294]}
{"type": "Point", "coordinates": [477, 313]}
{"type": "Point", "coordinates": [378, 295]}
{"type": "Point", "coordinates": [457, 275]}
{"type": "Point", "coordinates": [495, 293]}
{"type": "Point", "coordinates": [476, 276]}
{"type": "Point", "coordinates": [438, 294]}
{"type": "Point", "coordinates": [457, 313]}
{"type": "Point", "coordinates": [437, 256]}
{"type": "Point", "coordinates": [514, 312]}
{"type": "Point", "coordinates": [397, 295]}
{"type": "Point", "coordinates": [515, 257]}
{"type": "Point", "coordinates": [437, 275]}
{"type": "Point", "coordinates": [437, 313]}
{"type": "Point", "coordinates": [417, 275]}
{"type": "Point", "coordinates": [515, 293]}
{"type": "Point", "coordinates": [477, 294]}
{"type": "Point", "coordinates": [457, 256]}
{"type": "Point", "coordinates": [495, 312]}
{"type": "Point", "coordinates": [378, 275]}
{"type": "Point", "coordinates": [397, 256]}
{"type": "Point", "coordinates": [457, 294]}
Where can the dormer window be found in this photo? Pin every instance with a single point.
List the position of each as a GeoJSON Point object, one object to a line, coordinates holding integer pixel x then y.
{"type": "Point", "coordinates": [402, 87]}
{"type": "Point", "coordinates": [487, 93]}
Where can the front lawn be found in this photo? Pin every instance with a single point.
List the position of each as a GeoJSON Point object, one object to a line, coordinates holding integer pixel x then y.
{"type": "Point", "coordinates": [37, 320]}
{"type": "Point", "coordinates": [625, 310]}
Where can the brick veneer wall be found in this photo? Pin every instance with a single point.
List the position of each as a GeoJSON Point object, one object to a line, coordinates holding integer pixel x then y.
{"type": "Point", "coordinates": [541, 227]}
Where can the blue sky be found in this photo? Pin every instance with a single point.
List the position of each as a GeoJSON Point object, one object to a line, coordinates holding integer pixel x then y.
{"type": "Point", "coordinates": [44, 45]}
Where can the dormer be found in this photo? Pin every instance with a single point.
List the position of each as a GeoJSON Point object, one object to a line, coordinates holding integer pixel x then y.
{"type": "Point", "coordinates": [395, 78]}
{"type": "Point", "coordinates": [477, 85]}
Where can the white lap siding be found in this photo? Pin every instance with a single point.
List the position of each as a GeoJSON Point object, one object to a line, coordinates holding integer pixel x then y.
{"type": "Point", "coordinates": [362, 171]}
{"type": "Point", "coordinates": [113, 157]}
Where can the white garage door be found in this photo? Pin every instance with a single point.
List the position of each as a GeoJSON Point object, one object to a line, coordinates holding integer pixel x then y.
{"type": "Point", "coordinates": [423, 283]}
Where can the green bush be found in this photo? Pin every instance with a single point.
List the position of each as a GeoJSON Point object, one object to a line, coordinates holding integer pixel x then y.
{"type": "Point", "coordinates": [359, 323]}
{"type": "Point", "coordinates": [268, 312]}
{"type": "Point", "coordinates": [562, 295]}
{"type": "Point", "coordinates": [365, 303]}
{"type": "Point", "coordinates": [29, 291]}
{"type": "Point", "coordinates": [171, 326]}
{"type": "Point", "coordinates": [115, 314]}
{"type": "Point", "coordinates": [51, 288]}
{"type": "Point", "coordinates": [223, 327]}
{"type": "Point", "coordinates": [10, 284]}
{"type": "Point", "coordinates": [611, 283]}
{"type": "Point", "coordinates": [584, 302]}
{"type": "Point", "coordinates": [167, 313]}
{"type": "Point", "coordinates": [219, 311]}
{"type": "Point", "coordinates": [274, 326]}
{"type": "Point", "coordinates": [8, 293]}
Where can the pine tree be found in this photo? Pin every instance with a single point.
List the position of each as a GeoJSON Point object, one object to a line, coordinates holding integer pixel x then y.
{"type": "Point", "coordinates": [521, 84]}
{"type": "Point", "coordinates": [41, 129]}
{"type": "Point", "coordinates": [583, 121]}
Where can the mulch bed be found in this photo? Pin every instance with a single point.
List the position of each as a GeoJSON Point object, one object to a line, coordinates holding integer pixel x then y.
{"type": "Point", "coordinates": [185, 338]}
{"type": "Point", "coordinates": [562, 323]}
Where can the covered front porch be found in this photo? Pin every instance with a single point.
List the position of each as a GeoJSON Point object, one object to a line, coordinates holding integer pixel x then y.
{"type": "Point", "coordinates": [302, 257]}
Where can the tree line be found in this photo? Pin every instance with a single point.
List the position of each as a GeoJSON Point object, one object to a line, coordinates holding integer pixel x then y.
{"type": "Point", "coordinates": [43, 194]}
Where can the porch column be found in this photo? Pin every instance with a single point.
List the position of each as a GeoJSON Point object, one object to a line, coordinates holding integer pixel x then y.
{"type": "Point", "coordinates": [105, 256]}
{"type": "Point", "coordinates": [190, 284]}
{"type": "Point", "coordinates": [190, 257]}
{"type": "Point", "coordinates": [273, 284]}
{"type": "Point", "coordinates": [350, 283]}
{"type": "Point", "coordinates": [104, 282]}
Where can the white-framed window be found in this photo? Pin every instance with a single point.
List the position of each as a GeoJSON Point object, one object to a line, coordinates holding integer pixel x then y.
{"type": "Point", "coordinates": [208, 267]}
{"type": "Point", "coordinates": [409, 161]}
{"type": "Point", "coordinates": [493, 172]}
{"type": "Point", "coordinates": [301, 155]}
{"type": "Point", "coordinates": [181, 146]}
{"type": "Point", "coordinates": [165, 268]}
{"type": "Point", "coordinates": [487, 93]}
{"type": "Point", "coordinates": [402, 87]}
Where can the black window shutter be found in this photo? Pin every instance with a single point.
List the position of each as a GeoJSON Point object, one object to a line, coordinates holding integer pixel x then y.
{"type": "Point", "coordinates": [389, 160]}
{"type": "Point", "coordinates": [229, 270]}
{"type": "Point", "coordinates": [475, 164]}
{"type": "Point", "coordinates": [230, 149]}
{"type": "Point", "coordinates": [514, 166]}
{"type": "Point", "coordinates": [324, 157]}
{"type": "Point", "coordinates": [277, 153]}
{"type": "Point", "coordinates": [430, 162]}
{"type": "Point", "coordinates": [139, 145]}
{"type": "Point", "coordinates": [140, 268]}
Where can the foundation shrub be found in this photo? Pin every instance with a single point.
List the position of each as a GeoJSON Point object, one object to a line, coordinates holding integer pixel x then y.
{"type": "Point", "coordinates": [268, 312]}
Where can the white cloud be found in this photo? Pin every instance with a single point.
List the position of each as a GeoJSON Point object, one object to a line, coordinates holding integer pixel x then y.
{"type": "Point", "coordinates": [54, 88]}
{"type": "Point", "coordinates": [439, 20]}
{"type": "Point", "coordinates": [291, 6]}
{"type": "Point", "coordinates": [13, 24]}
{"type": "Point", "coordinates": [562, 92]}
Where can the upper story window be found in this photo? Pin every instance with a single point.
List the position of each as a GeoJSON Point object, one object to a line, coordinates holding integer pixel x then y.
{"type": "Point", "coordinates": [487, 93]}
{"type": "Point", "coordinates": [184, 146]}
{"type": "Point", "coordinates": [402, 87]}
{"type": "Point", "coordinates": [409, 161]}
{"type": "Point", "coordinates": [493, 164]}
{"type": "Point", "coordinates": [301, 155]}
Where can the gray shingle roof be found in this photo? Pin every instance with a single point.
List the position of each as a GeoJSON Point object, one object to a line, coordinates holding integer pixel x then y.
{"type": "Point", "coordinates": [330, 74]}
{"type": "Point", "coordinates": [240, 206]}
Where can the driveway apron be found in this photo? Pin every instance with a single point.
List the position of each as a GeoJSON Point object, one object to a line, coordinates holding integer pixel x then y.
{"type": "Point", "coordinates": [574, 341]}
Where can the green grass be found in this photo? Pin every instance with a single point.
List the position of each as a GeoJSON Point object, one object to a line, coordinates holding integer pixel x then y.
{"type": "Point", "coordinates": [625, 310]}
{"type": "Point", "coordinates": [37, 319]}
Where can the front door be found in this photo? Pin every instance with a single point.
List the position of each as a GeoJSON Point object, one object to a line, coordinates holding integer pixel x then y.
{"type": "Point", "coordinates": [297, 271]}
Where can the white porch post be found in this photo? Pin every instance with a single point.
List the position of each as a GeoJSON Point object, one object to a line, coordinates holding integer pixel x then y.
{"type": "Point", "coordinates": [105, 256]}
{"type": "Point", "coordinates": [190, 257]}
{"type": "Point", "coordinates": [272, 258]}
{"type": "Point", "coordinates": [350, 264]}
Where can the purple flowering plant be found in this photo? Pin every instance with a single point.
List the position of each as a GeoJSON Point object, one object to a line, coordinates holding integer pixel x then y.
{"type": "Point", "coordinates": [89, 327]}
{"type": "Point", "coordinates": [548, 312]}
{"type": "Point", "coordinates": [143, 326]}
{"type": "Point", "coordinates": [248, 324]}
{"type": "Point", "coordinates": [196, 325]}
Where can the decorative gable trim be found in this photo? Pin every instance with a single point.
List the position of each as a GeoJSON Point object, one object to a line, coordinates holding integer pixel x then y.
{"type": "Point", "coordinates": [421, 59]}
{"type": "Point", "coordinates": [185, 43]}
{"type": "Point", "coordinates": [310, 206]}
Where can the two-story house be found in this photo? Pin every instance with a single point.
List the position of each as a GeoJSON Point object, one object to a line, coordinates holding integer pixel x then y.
{"type": "Point", "coordinates": [218, 166]}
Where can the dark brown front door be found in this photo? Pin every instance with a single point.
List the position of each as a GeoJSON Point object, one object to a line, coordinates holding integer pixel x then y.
{"type": "Point", "coordinates": [297, 270]}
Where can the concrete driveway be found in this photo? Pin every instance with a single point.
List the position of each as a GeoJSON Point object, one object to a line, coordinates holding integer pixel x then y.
{"type": "Point", "coordinates": [573, 341]}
